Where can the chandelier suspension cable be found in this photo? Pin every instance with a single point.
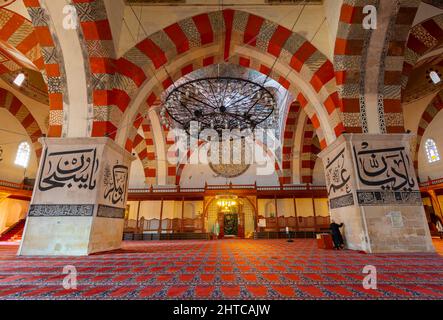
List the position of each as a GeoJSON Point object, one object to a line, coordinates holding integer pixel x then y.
{"type": "Point", "coordinates": [185, 77]}
{"type": "Point", "coordinates": [227, 59]}
{"type": "Point", "coordinates": [231, 55]}
{"type": "Point", "coordinates": [292, 30]}
{"type": "Point", "coordinates": [147, 35]}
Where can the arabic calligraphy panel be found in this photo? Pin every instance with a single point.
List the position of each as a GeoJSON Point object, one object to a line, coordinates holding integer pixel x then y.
{"type": "Point", "coordinates": [384, 167]}
{"type": "Point", "coordinates": [72, 170]}
{"type": "Point", "coordinates": [338, 171]}
{"type": "Point", "coordinates": [115, 182]}
{"type": "Point", "coordinates": [61, 210]}
{"type": "Point", "coordinates": [110, 212]}
{"type": "Point", "coordinates": [377, 198]}
{"type": "Point", "coordinates": [341, 202]}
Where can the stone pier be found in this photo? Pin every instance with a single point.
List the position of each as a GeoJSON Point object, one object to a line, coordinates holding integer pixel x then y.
{"type": "Point", "coordinates": [373, 190]}
{"type": "Point", "coordinates": [79, 198]}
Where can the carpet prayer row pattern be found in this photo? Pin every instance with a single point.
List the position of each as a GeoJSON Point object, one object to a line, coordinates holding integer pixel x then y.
{"type": "Point", "coordinates": [226, 269]}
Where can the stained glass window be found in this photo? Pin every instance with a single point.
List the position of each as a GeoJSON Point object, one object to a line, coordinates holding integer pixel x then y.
{"type": "Point", "coordinates": [432, 151]}
{"type": "Point", "coordinates": [23, 155]}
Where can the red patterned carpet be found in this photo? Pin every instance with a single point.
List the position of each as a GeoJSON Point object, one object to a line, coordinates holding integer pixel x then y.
{"type": "Point", "coordinates": [228, 269]}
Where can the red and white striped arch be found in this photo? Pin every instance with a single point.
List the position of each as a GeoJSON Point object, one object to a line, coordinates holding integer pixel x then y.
{"type": "Point", "coordinates": [52, 60]}
{"type": "Point", "coordinates": [153, 101]}
{"type": "Point", "coordinates": [145, 149]}
{"type": "Point", "coordinates": [19, 47]}
{"type": "Point", "coordinates": [288, 142]}
{"type": "Point", "coordinates": [309, 152]}
{"type": "Point", "coordinates": [11, 103]}
{"type": "Point", "coordinates": [423, 39]}
{"type": "Point", "coordinates": [225, 36]}
{"type": "Point", "coordinates": [97, 40]}
{"type": "Point", "coordinates": [155, 88]}
{"type": "Point", "coordinates": [352, 46]}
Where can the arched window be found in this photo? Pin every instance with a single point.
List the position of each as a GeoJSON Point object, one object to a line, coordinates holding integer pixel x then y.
{"type": "Point", "coordinates": [23, 155]}
{"type": "Point", "coordinates": [432, 151]}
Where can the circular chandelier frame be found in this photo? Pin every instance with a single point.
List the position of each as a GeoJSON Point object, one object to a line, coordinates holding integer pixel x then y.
{"type": "Point", "coordinates": [219, 103]}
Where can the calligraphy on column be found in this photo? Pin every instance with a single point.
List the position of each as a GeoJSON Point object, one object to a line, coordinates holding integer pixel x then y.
{"type": "Point", "coordinates": [115, 183]}
{"type": "Point", "coordinates": [338, 182]}
{"type": "Point", "coordinates": [337, 176]}
{"type": "Point", "coordinates": [69, 169]}
{"type": "Point", "coordinates": [385, 168]}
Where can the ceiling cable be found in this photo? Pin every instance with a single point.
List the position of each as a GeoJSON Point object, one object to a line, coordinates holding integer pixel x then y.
{"type": "Point", "coordinates": [225, 60]}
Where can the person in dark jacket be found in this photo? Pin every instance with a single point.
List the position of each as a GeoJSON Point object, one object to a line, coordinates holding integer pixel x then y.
{"type": "Point", "coordinates": [336, 235]}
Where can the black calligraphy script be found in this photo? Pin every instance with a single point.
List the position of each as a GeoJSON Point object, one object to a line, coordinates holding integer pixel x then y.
{"type": "Point", "coordinates": [115, 183]}
{"type": "Point", "coordinates": [337, 175]}
{"type": "Point", "coordinates": [385, 168]}
{"type": "Point", "coordinates": [69, 168]}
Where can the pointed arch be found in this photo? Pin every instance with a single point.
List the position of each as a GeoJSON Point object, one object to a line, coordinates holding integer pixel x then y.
{"type": "Point", "coordinates": [288, 142]}
{"type": "Point", "coordinates": [351, 54]}
{"type": "Point", "coordinates": [18, 37]}
{"type": "Point", "coordinates": [54, 72]}
{"type": "Point", "coordinates": [229, 33]}
{"type": "Point", "coordinates": [11, 103]}
{"type": "Point", "coordinates": [423, 39]}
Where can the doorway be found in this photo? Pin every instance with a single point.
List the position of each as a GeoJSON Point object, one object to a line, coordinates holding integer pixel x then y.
{"type": "Point", "coordinates": [231, 225]}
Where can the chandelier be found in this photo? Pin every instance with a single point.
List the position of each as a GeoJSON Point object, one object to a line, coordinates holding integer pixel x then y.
{"type": "Point", "coordinates": [226, 202]}
{"type": "Point", "coordinates": [219, 103]}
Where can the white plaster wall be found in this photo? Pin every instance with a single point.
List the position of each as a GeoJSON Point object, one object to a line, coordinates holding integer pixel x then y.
{"type": "Point", "coordinates": [11, 135]}
{"type": "Point", "coordinates": [426, 169]}
{"type": "Point", "coordinates": [39, 111]}
{"type": "Point", "coordinates": [195, 176]}
{"type": "Point", "coordinates": [12, 211]}
{"type": "Point", "coordinates": [137, 176]}
{"type": "Point", "coordinates": [332, 10]}
{"type": "Point", "coordinates": [115, 10]}
{"type": "Point", "coordinates": [412, 112]}
{"type": "Point", "coordinates": [318, 174]}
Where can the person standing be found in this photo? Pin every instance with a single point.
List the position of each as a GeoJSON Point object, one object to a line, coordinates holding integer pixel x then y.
{"type": "Point", "coordinates": [439, 227]}
{"type": "Point", "coordinates": [337, 238]}
{"type": "Point", "coordinates": [216, 229]}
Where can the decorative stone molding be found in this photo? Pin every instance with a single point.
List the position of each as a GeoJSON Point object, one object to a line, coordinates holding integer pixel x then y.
{"type": "Point", "coordinates": [61, 210]}
{"type": "Point", "coordinates": [110, 212]}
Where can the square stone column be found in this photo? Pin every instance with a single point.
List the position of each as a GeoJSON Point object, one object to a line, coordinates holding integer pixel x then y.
{"type": "Point", "coordinates": [373, 190]}
{"type": "Point", "coordinates": [79, 198]}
